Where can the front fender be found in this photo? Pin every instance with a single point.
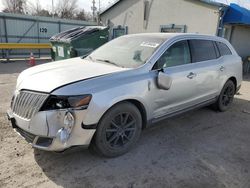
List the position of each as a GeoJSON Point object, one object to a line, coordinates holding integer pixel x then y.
{"type": "Point", "coordinates": [103, 101]}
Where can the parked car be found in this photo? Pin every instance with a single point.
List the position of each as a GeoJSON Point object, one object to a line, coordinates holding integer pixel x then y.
{"type": "Point", "coordinates": [105, 99]}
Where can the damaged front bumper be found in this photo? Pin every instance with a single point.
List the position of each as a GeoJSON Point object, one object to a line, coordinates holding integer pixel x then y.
{"type": "Point", "coordinates": [47, 130]}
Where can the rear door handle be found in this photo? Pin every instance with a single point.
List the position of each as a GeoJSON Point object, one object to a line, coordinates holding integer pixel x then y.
{"type": "Point", "coordinates": [222, 68]}
{"type": "Point", "coordinates": [191, 75]}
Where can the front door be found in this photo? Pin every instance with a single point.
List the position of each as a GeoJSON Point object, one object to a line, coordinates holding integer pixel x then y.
{"type": "Point", "coordinates": [176, 63]}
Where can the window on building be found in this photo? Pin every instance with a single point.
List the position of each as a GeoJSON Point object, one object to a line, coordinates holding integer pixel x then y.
{"type": "Point", "coordinates": [119, 31]}
{"type": "Point", "coordinates": [202, 50]}
{"type": "Point", "coordinates": [172, 28]}
{"type": "Point", "coordinates": [224, 50]}
{"type": "Point", "coordinates": [227, 32]}
{"type": "Point", "coordinates": [146, 10]}
{"type": "Point", "coordinates": [177, 54]}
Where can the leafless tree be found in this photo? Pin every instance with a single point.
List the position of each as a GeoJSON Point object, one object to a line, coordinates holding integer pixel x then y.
{"type": "Point", "coordinates": [63, 9]}
{"type": "Point", "coordinates": [66, 8]}
{"type": "Point", "coordinates": [15, 6]}
{"type": "Point", "coordinates": [36, 9]}
{"type": "Point", "coordinates": [83, 15]}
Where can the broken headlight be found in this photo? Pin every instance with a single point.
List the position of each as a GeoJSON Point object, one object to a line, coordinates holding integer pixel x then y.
{"type": "Point", "coordinates": [63, 102]}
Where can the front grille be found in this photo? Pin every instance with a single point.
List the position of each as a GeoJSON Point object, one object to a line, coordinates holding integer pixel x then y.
{"type": "Point", "coordinates": [26, 135]}
{"type": "Point", "coordinates": [26, 104]}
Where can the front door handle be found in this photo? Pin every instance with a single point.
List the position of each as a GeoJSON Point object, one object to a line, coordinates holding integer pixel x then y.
{"type": "Point", "coordinates": [222, 68]}
{"type": "Point", "coordinates": [191, 75]}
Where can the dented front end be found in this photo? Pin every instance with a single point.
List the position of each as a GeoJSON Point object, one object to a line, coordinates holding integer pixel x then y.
{"type": "Point", "coordinates": [48, 129]}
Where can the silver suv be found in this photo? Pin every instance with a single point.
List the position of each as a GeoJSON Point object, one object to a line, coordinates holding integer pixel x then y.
{"type": "Point", "coordinates": [106, 98]}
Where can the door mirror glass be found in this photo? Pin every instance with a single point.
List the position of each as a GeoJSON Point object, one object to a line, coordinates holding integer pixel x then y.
{"type": "Point", "coordinates": [164, 81]}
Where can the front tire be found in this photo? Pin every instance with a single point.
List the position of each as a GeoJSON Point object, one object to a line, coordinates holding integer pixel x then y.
{"type": "Point", "coordinates": [226, 97]}
{"type": "Point", "coordinates": [118, 130]}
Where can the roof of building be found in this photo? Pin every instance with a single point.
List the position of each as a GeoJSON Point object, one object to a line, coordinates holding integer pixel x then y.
{"type": "Point", "coordinates": [237, 15]}
{"type": "Point", "coordinates": [210, 2]}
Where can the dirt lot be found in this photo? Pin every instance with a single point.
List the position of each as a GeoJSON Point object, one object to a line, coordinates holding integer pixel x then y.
{"type": "Point", "coordinates": [202, 148]}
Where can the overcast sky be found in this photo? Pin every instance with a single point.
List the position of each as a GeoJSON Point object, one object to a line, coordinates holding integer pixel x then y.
{"type": "Point", "coordinates": [86, 4]}
{"type": "Point", "coordinates": [243, 3]}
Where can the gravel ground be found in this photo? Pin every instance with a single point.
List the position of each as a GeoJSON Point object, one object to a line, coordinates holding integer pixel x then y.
{"type": "Point", "coordinates": [201, 148]}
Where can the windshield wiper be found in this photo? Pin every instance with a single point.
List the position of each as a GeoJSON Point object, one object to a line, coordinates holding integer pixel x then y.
{"type": "Point", "coordinates": [84, 56]}
{"type": "Point", "coordinates": [91, 58]}
{"type": "Point", "coordinates": [107, 61]}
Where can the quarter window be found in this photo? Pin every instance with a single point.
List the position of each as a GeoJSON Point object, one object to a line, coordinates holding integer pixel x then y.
{"type": "Point", "coordinates": [202, 50]}
{"type": "Point", "coordinates": [177, 54]}
{"type": "Point", "coordinates": [224, 50]}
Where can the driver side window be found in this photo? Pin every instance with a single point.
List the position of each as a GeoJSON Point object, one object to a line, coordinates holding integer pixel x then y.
{"type": "Point", "coordinates": [177, 54]}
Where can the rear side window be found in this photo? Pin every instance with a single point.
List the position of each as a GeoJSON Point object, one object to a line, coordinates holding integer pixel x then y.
{"type": "Point", "coordinates": [223, 48]}
{"type": "Point", "coordinates": [202, 50]}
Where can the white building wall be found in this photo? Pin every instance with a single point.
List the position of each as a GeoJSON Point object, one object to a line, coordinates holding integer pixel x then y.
{"type": "Point", "coordinates": [198, 17]}
{"type": "Point", "coordinates": [126, 13]}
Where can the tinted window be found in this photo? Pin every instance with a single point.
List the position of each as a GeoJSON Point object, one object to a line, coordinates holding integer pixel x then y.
{"type": "Point", "coordinates": [177, 54]}
{"type": "Point", "coordinates": [202, 50]}
{"type": "Point", "coordinates": [216, 50]}
{"type": "Point", "coordinates": [224, 50]}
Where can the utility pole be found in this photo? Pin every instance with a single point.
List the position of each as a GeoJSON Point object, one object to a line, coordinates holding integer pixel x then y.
{"type": "Point", "coordinates": [99, 6]}
{"type": "Point", "coordinates": [99, 11]}
{"type": "Point", "coordinates": [52, 8]}
{"type": "Point", "coordinates": [93, 9]}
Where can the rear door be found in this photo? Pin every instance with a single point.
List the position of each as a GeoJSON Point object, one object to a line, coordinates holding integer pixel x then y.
{"type": "Point", "coordinates": [226, 62]}
{"type": "Point", "coordinates": [207, 64]}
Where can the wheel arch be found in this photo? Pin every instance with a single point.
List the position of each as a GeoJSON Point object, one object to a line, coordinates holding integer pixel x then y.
{"type": "Point", "coordinates": [142, 110]}
{"type": "Point", "coordinates": [137, 104]}
{"type": "Point", "coordinates": [234, 80]}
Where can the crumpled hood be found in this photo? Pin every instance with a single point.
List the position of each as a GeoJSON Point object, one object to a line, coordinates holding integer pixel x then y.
{"type": "Point", "coordinates": [50, 76]}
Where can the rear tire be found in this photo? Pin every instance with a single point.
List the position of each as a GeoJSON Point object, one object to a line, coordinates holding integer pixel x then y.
{"type": "Point", "coordinates": [118, 130]}
{"type": "Point", "coordinates": [226, 97]}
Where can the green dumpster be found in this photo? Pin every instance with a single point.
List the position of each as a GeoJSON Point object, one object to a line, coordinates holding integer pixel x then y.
{"type": "Point", "coordinates": [78, 41]}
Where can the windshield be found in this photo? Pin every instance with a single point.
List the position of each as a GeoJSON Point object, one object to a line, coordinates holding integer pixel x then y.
{"type": "Point", "coordinates": [130, 51]}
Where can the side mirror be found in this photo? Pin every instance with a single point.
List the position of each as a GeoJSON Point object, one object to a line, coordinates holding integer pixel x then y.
{"type": "Point", "coordinates": [164, 81]}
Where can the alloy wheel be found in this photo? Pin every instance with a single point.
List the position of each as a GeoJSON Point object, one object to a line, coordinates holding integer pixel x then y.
{"type": "Point", "coordinates": [121, 130]}
{"type": "Point", "coordinates": [227, 96]}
